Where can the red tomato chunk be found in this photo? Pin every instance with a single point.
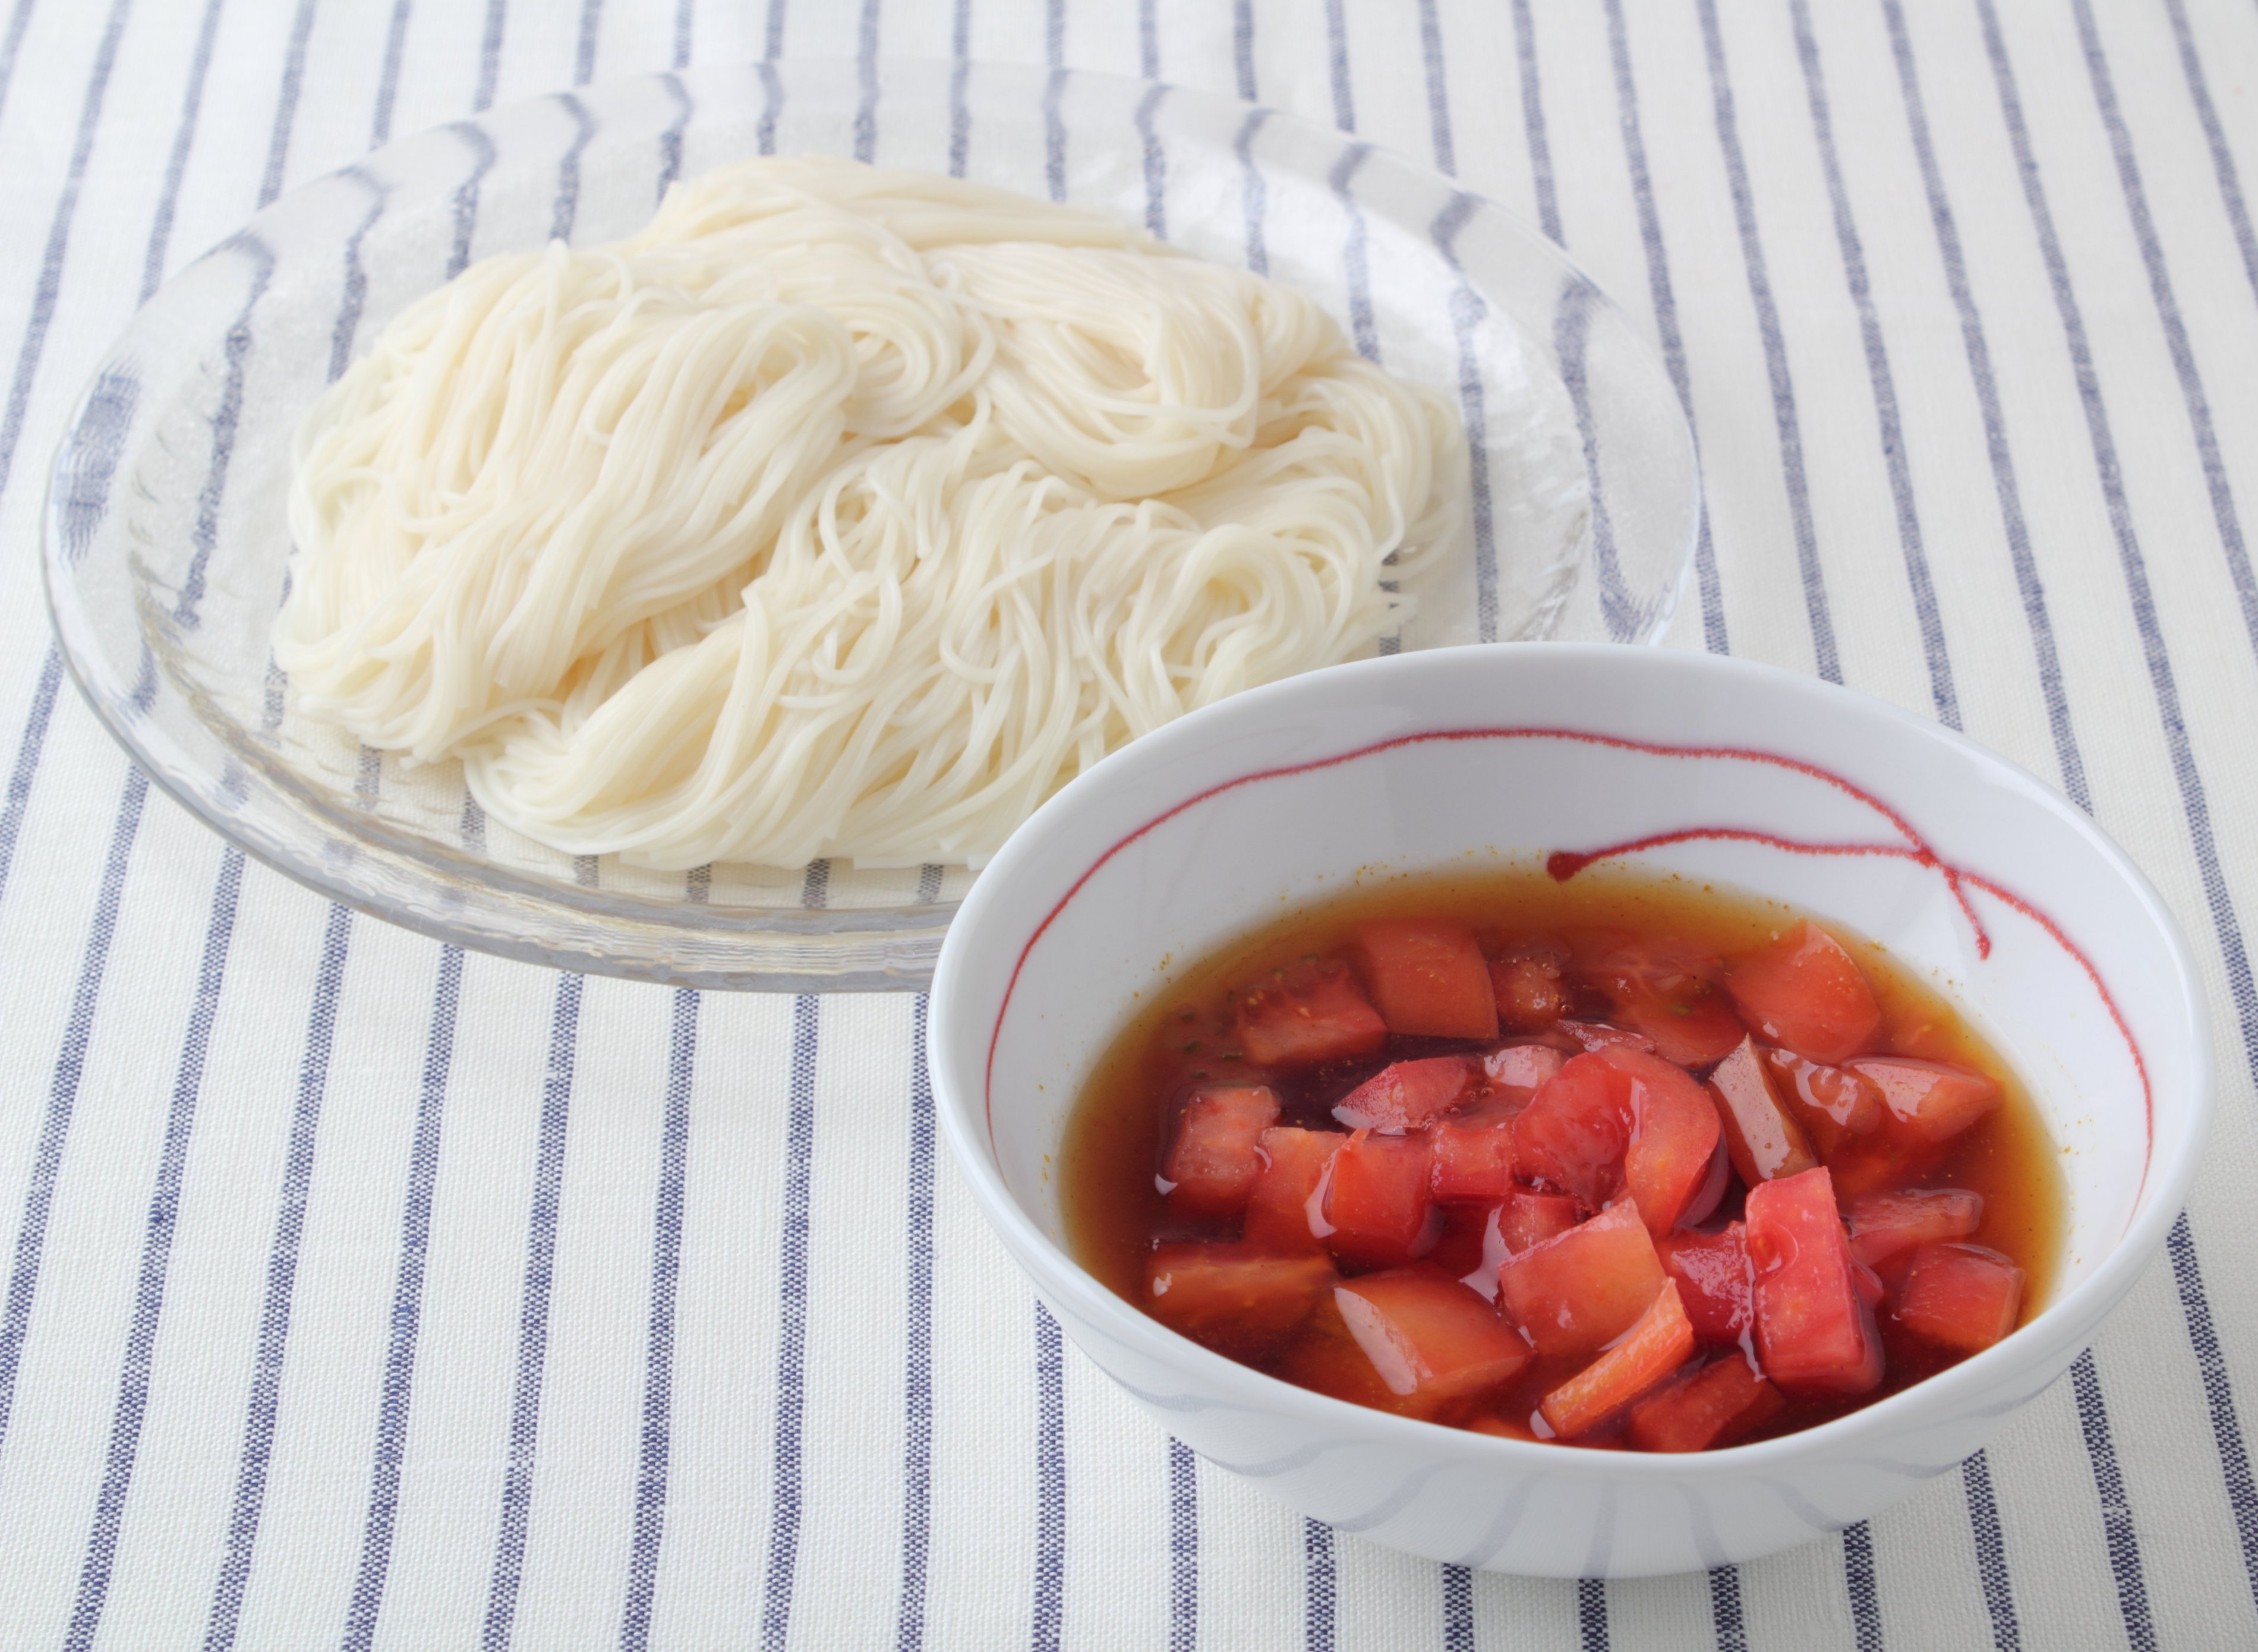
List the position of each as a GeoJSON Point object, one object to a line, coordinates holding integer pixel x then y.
{"type": "Point", "coordinates": [1963, 1297]}
{"type": "Point", "coordinates": [1473, 1157]}
{"type": "Point", "coordinates": [1527, 1218]}
{"type": "Point", "coordinates": [1663, 990]}
{"type": "Point", "coordinates": [1237, 1301]}
{"type": "Point", "coordinates": [1280, 1209]}
{"type": "Point", "coordinates": [1427, 976]}
{"type": "Point", "coordinates": [1528, 990]}
{"type": "Point", "coordinates": [1929, 1100]}
{"type": "Point", "coordinates": [1761, 1134]}
{"type": "Point", "coordinates": [1408, 1094]}
{"type": "Point", "coordinates": [1215, 1159]}
{"type": "Point", "coordinates": [1376, 1208]}
{"type": "Point", "coordinates": [1883, 1225]}
{"type": "Point", "coordinates": [1312, 1013]}
{"type": "Point", "coordinates": [1715, 1406]}
{"type": "Point", "coordinates": [1573, 1136]}
{"type": "Point", "coordinates": [1814, 1333]}
{"type": "Point", "coordinates": [1714, 1282]}
{"type": "Point", "coordinates": [1660, 1342]}
{"type": "Point", "coordinates": [1430, 1340]}
{"type": "Point", "coordinates": [1621, 1117]}
{"type": "Point", "coordinates": [1805, 992]}
{"type": "Point", "coordinates": [1576, 1294]}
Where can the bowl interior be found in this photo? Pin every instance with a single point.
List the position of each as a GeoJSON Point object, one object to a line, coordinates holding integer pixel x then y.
{"type": "Point", "coordinates": [167, 544]}
{"type": "Point", "coordinates": [1969, 871]}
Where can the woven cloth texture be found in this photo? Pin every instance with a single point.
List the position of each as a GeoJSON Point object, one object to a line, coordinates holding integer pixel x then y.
{"type": "Point", "coordinates": [366, 1292]}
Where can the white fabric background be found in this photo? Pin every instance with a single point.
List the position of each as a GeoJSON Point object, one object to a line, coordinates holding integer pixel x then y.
{"type": "Point", "coordinates": [368, 1294]}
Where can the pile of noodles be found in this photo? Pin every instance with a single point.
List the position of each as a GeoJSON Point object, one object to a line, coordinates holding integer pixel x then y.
{"type": "Point", "coordinates": [841, 512]}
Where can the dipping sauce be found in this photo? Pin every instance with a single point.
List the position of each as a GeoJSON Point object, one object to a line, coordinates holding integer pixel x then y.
{"type": "Point", "coordinates": [1626, 1161]}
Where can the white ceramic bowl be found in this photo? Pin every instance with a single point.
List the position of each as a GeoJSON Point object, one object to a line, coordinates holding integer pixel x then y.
{"type": "Point", "coordinates": [1963, 866]}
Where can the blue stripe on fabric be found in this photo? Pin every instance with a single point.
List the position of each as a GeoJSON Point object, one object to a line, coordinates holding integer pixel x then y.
{"type": "Point", "coordinates": [1254, 199]}
{"type": "Point", "coordinates": [771, 105]}
{"type": "Point", "coordinates": [1242, 47]}
{"type": "Point", "coordinates": [1991, 1554]}
{"type": "Point", "coordinates": [490, 56]}
{"type": "Point", "coordinates": [792, 1328]}
{"type": "Point", "coordinates": [1592, 1613]}
{"type": "Point", "coordinates": [1664, 300]}
{"type": "Point", "coordinates": [387, 83]}
{"type": "Point", "coordinates": [466, 192]}
{"type": "Point", "coordinates": [917, 1374]}
{"type": "Point", "coordinates": [156, 1259]}
{"type": "Point", "coordinates": [866, 82]}
{"type": "Point", "coordinates": [1156, 162]}
{"type": "Point", "coordinates": [1439, 89]}
{"type": "Point", "coordinates": [399, 1387]}
{"type": "Point", "coordinates": [2117, 1532]}
{"type": "Point", "coordinates": [1183, 1547]}
{"type": "Point", "coordinates": [62, 1093]}
{"type": "Point", "coordinates": [669, 141]}
{"type": "Point", "coordinates": [176, 163]}
{"type": "Point", "coordinates": [29, 748]}
{"type": "Point", "coordinates": [584, 55]}
{"type": "Point", "coordinates": [19, 20]}
{"type": "Point", "coordinates": [1457, 1609]}
{"type": "Point", "coordinates": [286, 108]}
{"type": "Point", "coordinates": [356, 289]}
{"type": "Point", "coordinates": [1726, 1619]}
{"type": "Point", "coordinates": [1148, 38]}
{"type": "Point", "coordinates": [685, 19]}
{"type": "Point", "coordinates": [2228, 521]}
{"type": "Point", "coordinates": [1355, 266]}
{"type": "Point", "coordinates": [658, 1358]}
{"type": "Point", "coordinates": [1532, 122]}
{"type": "Point", "coordinates": [1625, 619]}
{"type": "Point", "coordinates": [1320, 1581]}
{"type": "Point", "coordinates": [1055, 88]}
{"type": "Point", "coordinates": [773, 32]}
{"type": "Point", "coordinates": [58, 233]}
{"type": "Point", "coordinates": [2068, 759]}
{"type": "Point", "coordinates": [1858, 1586]}
{"type": "Point", "coordinates": [2222, 158]}
{"type": "Point", "coordinates": [1785, 416]}
{"type": "Point", "coordinates": [1336, 66]}
{"type": "Point", "coordinates": [281, 1281]}
{"type": "Point", "coordinates": [533, 1317]}
{"type": "Point", "coordinates": [960, 69]}
{"type": "Point", "coordinates": [565, 211]}
{"type": "Point", "coordinates": [1467, 311]}
{"type": "Point", "coordinates": [1942, 693]}
{"type": "Point", "coordinates": [2218, 1394]}
{"type": "Point", "coordinates": [1049, 1611]}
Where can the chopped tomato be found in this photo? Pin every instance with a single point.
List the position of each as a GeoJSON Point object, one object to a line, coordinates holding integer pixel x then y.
{"type": "Point", "coordinates": [1713, 1282]}
{"type": "Point", "coordinates": [1666, 991]}
{"type": "Point", "coordinates": [1963, 1297]}
{"type": "Point", "coordinates": [1408, 1094]}
{"type": "Point", "coordinates": [1517, 1072]}
{"type": "Point", "coordinates": [1814, 1334]}
{"type": "Point", "coordinates": [1718, 1404]}
{"type": "Point", "coordinates": [1473, 1156]}
{"type": "Point", "coordinates": [1673, 1135]}
{"type": "Point", "coordinates": [1529, 991]}
{"type": "Point", "coordinates": [1427, 976]}
{"type": "Point", "coordinates": [1887, 1224]}
{"type": "Point", "coordinates": [1233, 1298]}
{"type": "Point", "coordinates": [1579, 1291]}
{"type": "Point", "coordinates": [1310, 1013]}
{"type": "Point", "coordinates": [1467, 1248]}
{"type": "Point", "coordinates": [1760, 1133]}
{"type": "Point", "coordinates": [1279, 1209]}
{"type": "Point", "coordinates": [1803, 991]}
{"type": "Point", "coordinates": [1431, 1340]}
{"type": "Point", "coordinates": [1658, 1344]}
{"type": "Point", "coordinates": [1214, 1159]}
{"type": "Point", "coordinates": [1931, 1101]}
{"type": "Point", "coordinates": [1574, 1134]}
{"type": "Point", "coordinates": [1376, 1204]}
{"type": "Point", "coordinates": [1596, 1035]}
{"type": "Point", "coordinates": [1323, 1356]}
{"type": "Point", "coordinates": [1834, 1103]}
{"type": "Point", "coordinates": [1527, 1218]}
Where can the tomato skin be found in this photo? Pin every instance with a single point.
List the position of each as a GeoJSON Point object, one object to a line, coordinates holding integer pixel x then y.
{"type": "Point", "coordinates": [1673, 1135]}
{"type": "Point", "coordinates": [1715, 1282]}
{"type": "Point", "coordinates": [1814, 1333]}
{"type": "Point", "coordinates": [1963, 1297]}
{"type": "Point", "coordinates": [1376, 1202]}
{"type": "Point", "coordinates": [1408, 1094]}
{"type": "Point", "coordinates": [1574, 1133]}
{"type": "Point", "coordinates": [1577, 1293]}
{"type": "Point", "coordinates": [1517, 1072]}
{"type": "Point", "coordinates": [1529, 991]}
{"type": "Point", "coordinates": [1931, 1101]}
{"type": "Point", "coordinates": [1473, 1157]}
{"type": "Point", "coordinates": [1427, 976]}
{"type": "Point", "coordinates": [1802, 990]}
{"type": "Point", "coordinates": [1658, 1345]}
{"type": "Point", "coordinates": [1278, 1206]}
{"type": "Point", "coordinates": [1718, 1404]}
{"type": "Point", "coordinates": [1761, 1134]}
{"type": "Point", "coordinates": [1215, 1156]}
{"type": "Point", "coordinates": [1315, 1012]}
{"type": "Point", "coordinates": [1664, 991]}
{"type": "Point", "coordinates": [1431, 1340]}
{"type": "Point", "coordinates": [1885, 1225]}
{"type": "Point", "coordinates": [1836, 1105]}
{"type": "Point", "coordinates": [1239, 1300]}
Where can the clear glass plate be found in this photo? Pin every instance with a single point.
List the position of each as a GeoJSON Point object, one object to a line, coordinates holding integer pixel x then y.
{"type": "Point", "coordinates": [166, 549]}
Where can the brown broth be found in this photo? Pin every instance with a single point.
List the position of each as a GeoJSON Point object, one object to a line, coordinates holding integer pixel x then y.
{"type": "Point", "coordinates": [1115, 1137]}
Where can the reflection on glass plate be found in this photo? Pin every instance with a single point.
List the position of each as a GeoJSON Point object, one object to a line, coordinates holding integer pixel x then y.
{"type": "Point", "coordinates": [167, 547]}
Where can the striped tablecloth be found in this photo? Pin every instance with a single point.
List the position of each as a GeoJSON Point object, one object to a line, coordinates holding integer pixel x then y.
{"type": "Point", "coordinates": [364, 1293]}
